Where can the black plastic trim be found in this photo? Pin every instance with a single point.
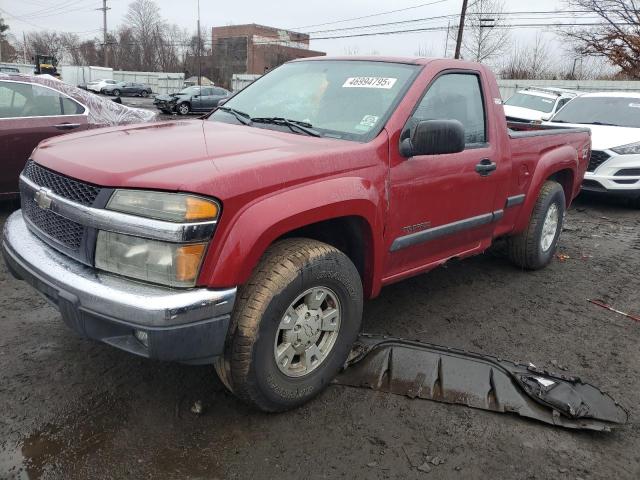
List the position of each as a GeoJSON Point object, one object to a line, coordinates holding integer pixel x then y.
{"type": "Point", "coordinates": [444, 230]}
{"type": "Point", "coordinates": [515, 200]}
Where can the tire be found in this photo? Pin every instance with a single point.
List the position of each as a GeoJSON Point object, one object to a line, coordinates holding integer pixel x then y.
{"type": "Point", "coordinates": [144, 94]}
{"type": "Point", "coordinates": [183, 109]}
{"type": "Point", "coordinates": [635, 202]}
{"type": "Point", "coordinates": [527, 249]}
{"type": "Point", "coordinates": [116, 92]}
{"type": "Point", "coordinates": [291, 271]}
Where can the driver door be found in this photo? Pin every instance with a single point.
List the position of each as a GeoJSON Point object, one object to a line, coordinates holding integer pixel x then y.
{"type": "Point", "coordinates": [441, 206]}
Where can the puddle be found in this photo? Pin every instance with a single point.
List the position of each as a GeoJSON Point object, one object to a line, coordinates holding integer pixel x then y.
{"type": "Point", "coordinates": [62, 447]}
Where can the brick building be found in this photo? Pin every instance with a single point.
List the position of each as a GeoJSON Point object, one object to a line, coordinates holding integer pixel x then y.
{"type": "Point", "coordinates": [254, 49]}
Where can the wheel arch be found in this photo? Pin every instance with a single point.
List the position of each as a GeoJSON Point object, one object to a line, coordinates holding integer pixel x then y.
{"type": "Point", "coordinates": [352, 225]}
{"type": "Point", "coordinates": [559, 165]}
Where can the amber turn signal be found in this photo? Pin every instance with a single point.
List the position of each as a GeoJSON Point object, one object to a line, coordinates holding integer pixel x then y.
{"type": "Point", "coordinates": [187, 261]}
{"type": "Point", "coordinates": [200, 209]}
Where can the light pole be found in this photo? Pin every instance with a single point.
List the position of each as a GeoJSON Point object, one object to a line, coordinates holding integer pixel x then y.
{"type": "Point", "coordinates": [199, 50]}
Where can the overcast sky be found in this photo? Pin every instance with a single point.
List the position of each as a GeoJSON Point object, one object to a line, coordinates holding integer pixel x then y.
{"type": "Point", "coordinates": [81, 16]}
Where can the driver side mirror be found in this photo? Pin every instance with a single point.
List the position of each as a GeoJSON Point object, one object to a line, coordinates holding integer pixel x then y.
{"type": "Point", "coordinates": [434, 137]}
{"type": "Point", "coordinates": [547, 117]}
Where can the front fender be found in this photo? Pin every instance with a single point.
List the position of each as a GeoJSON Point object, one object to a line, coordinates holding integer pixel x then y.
{"type": "Point", "coordinates": [563, 158]}
{"type": "Point", "coordinates": [237, 247]}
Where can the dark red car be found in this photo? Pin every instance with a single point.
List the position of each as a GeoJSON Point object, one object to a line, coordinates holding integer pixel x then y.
{"type": "Point", "coordinates": [34, 108]}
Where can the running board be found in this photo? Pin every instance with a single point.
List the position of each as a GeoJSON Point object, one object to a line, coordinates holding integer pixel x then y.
{"type": "Point", "coordinates": [432, 372]}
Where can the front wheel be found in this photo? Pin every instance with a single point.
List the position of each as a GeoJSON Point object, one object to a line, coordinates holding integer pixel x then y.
{"type": "Point", "coordinates": [184, 108]}
{"type": "Point", "coordinates": [293, 325]}
{"type": "Point", "coordinates": [144, 94]}
{"type": "Point", "coordinates": [535, 247]}
{"type": "Point", "coordinates": [116, 92]}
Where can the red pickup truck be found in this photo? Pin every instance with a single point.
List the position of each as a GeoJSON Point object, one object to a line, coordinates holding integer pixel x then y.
{"type": "Point", "coordinates": [250, 238]}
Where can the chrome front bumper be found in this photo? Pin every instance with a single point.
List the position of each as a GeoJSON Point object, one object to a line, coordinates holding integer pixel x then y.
{"type": "Point", "coordinates": [180, 325]}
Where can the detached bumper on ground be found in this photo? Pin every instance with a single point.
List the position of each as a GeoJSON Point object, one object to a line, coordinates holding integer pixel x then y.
{"type": "Point", "coordinates": [151, 321]}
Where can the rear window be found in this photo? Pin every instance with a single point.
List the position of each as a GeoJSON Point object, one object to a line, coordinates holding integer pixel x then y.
{"type": "Point", "coordinates": [532, 102]}
{"type": "Point", "coordinates": [617, 111]}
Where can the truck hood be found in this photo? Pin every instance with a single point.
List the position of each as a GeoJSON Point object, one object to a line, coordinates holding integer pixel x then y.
{"type": "Point", "coordinates": [604, 137]}
{"type": "Point", "coordinates": [199, 156]}
{"type": "Point", "coordinates": [523, 113]}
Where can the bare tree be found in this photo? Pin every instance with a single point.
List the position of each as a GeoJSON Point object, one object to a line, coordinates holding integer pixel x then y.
{"type": "Point", "coordinates": [485, 32]}
{"type": "Point", "coordinates": [528, 62]}
{"type": "Point", "coordinates": [618, 36]}
{"type": "Point", "coordinates": [45, 43]}
{"type": "Point", "coordinates": [144, 20]}
{"type": "Point", "coordinates": [351, 50]}
{"type": "Point", "coordinates": [424, 51]}
{"type": "Point", "coordinates": [7, 50]}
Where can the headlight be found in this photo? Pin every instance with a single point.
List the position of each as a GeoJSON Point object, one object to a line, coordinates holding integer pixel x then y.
{"type": "Point", "coordinates": [630, 149]}
{"type": "Point", "coordinates": [172, 264]}
{"type": "Point", "coordinates": [172, 207]}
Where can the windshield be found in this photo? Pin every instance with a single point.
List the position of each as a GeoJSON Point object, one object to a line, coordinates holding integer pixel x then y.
{"type": "Point", "coordinates": [618, 111]}
{"type": "Point", "coordinates": [339, 99]}
{"type": "Point", "coordinates": [533, 102]}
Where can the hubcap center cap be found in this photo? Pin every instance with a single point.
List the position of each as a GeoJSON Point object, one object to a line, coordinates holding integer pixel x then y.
{"type": "Point", "coordinates": [306, 330]}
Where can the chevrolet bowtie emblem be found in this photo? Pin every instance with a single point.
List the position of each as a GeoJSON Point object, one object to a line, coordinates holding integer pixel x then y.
{"type": "Point", "coordinates": [42, 199]}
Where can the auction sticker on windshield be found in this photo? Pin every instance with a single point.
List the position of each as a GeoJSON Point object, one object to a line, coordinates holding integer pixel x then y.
{"type": "Point", "coordinates": [370, 82]}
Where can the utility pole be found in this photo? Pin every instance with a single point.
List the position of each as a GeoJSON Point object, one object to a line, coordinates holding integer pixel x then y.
{"type": "Point", "coordinates": [463, 14]}
{"type": "Point", "coordinates": [199, 50]}
{"type": "Point", "coordinates": [104, 31]}
{"type": "Point", "coordinates": [24, 48]}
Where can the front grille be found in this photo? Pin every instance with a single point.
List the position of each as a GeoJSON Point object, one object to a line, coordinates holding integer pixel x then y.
{"type": "Point", "coordinates": [62, 230]}
{"type": "Point", "coordinates": [59, 184]}
{"type": "Point", "coordinates": [597, 159]}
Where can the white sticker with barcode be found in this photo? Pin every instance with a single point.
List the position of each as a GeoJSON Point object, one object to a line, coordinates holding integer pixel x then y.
{"type": "Point", "coordinates": [370, 82]}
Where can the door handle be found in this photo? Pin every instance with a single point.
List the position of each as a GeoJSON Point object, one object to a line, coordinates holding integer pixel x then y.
{"type": "Point", "coordinates": [485, 167]}
{"type": "Point", "coordinates": [66, 126]}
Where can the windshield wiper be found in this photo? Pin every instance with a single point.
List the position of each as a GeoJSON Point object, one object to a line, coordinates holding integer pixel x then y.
{"type": "Point", "coordinates": [293, 125]}
{"type": "Point", "coordinates": [242, 117]}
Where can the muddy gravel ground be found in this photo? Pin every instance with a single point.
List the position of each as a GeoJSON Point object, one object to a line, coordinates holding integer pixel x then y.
{"type": "Point", "coordinates": [75, 409]}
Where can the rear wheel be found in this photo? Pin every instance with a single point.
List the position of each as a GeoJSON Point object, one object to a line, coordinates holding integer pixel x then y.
{"type": "Point", "coordinates": [184, 108]}
{"type": "Point", "coordinates": [635, 202]}
{"type": "Point", "coordinates": [536, 246]}
{"type": "Point", "coordinates": [293, 325]}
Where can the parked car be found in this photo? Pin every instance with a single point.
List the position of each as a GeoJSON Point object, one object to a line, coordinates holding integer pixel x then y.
{"type": "Point", "coordinates": [249, 238]}
{"type": "Point", "coordinates": [191, 99]}
{"type": "Point", "coordinates": [97, 85]}
{"type": "Point", "coordinates": [6, 69]}
{"type": "Point", "coordinates": [33, 108]}
{"type": "Point", "coordinates": [614, 120]}
{"type": "Point", "coordinates": [535, 104]}
{"type": "Point", "coordinates": [127, 88]}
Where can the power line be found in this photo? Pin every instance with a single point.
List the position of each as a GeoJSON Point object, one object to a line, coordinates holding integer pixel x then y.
{"type": "Point", "coordinates": [557, 15]}
{"type": "Point", "coordinates": [370, 16]}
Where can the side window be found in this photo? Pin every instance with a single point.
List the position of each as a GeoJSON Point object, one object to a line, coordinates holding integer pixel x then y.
{"type": "Point", "coordinates": [70, 107]}
{"type": "Point", "coordinates": [456, 96]}
{"type": "Point", "coordinates": [27, 100]}
{"type": "Point", "coordinates": [220, 91]}
{"type": "Point", "coordinates": [13, 99]}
